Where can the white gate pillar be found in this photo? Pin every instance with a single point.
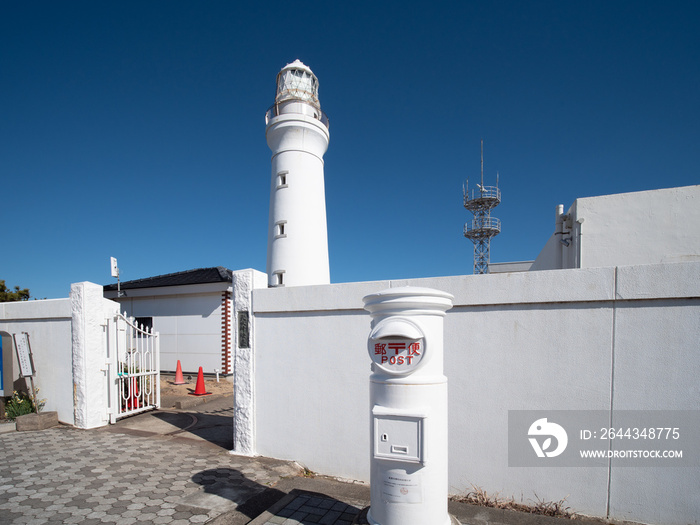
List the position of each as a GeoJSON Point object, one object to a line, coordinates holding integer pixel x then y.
{"type": "Point", "coordinates": [408, 407]}
{"type": "Point", "coordinates": [89, 310]}
{"type": "Point", "coordinates": [244, 282]}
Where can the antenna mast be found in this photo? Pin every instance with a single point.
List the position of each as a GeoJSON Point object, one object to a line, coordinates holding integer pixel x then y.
{"type": "Point", "coordinates": [482, 227]}
{"type": "Point", "coordinates": [482, 166]}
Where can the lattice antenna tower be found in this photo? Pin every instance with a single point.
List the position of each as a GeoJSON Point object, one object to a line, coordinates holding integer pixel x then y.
{"type": "Point", "coordinates": [482, 228]}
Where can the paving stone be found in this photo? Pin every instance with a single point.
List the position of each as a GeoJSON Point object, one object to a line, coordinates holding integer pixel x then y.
{"type": "Point", "coordinates": [73, 520]}
{"type": "Point", "coordinates": [76, 511]}
{"type": "Point", "coordinates": [59, 517]}
{"type": "Point", "coordinates": [286, 512]}
{"type": "Point", "coordinates": [43, 504]}
{"type": "Point", "coordinates": [146, 517]}
{"type": "Point", "coordinates": [298, 516]}
{"type": "Point", "coordinates": [330, 517]}
{"type": "Point", "coordinates": [125, 521]}
{"type": "Point", "coordinates": [312, 509]}
{"type": "Point", "coordinates": [339, 506]}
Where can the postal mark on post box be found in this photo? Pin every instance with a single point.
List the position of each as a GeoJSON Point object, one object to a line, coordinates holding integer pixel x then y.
{"type": "Point", "coordinates": [396, 352]}
{"type": "Point", "coordinates": [397, 347]}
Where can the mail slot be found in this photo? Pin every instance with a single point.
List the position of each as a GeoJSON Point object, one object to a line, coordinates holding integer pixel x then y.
{"type": "Point", "coordinates": [398, 437]}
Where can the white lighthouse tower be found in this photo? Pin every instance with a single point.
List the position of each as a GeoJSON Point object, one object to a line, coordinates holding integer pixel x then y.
{"type": "Point", "coordinates": [297, 134]}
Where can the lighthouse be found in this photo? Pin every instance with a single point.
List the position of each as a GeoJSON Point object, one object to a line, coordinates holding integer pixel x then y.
{"type": "Point", "coordinates": [297, 133]}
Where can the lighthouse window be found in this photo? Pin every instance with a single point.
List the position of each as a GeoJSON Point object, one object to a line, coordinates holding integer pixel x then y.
{"type": "Point", "coordinates": [282, 179]}
{"type": "Point", "coordinates": [279, 278]}
{"type": "Point", "coordinates": [281, 229]}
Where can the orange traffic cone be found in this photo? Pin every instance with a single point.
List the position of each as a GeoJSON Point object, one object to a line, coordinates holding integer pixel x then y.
{"type": "Point", "coordinates": [199, 390]}
{"type": "Point", "coordinates": [179, 380]}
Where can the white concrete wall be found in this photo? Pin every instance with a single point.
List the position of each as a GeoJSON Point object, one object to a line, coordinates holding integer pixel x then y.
{"type": "Point", "coordinates": [67, 338]}
{"type": "Point", "coordinates": [585, 339]}
{"type": "Point", "coordinates": [189, 323]}
{"type": "Point", "coordinates": [48, 324]}
{"type": "Point", "coordinates": [657, 226]}
{"type": "Point", "coordinates": [550, 257]}
{"type": "Point", "coordinates": [657, 366]}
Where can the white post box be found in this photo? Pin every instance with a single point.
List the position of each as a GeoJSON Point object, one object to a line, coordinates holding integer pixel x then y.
{"type": "Point", "coordinates": [408, 403]}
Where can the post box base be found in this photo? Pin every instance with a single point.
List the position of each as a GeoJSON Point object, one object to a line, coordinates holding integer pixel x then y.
{"type": "Point", "coordinates": [361, 518]}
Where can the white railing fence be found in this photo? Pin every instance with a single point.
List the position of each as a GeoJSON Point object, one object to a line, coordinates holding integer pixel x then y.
{"type": "Point", "coordinates": [133, 355]}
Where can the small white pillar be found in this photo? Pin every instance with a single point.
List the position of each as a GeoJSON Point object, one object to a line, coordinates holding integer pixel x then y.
{"type": "Point", "coordinates": [408, 407]}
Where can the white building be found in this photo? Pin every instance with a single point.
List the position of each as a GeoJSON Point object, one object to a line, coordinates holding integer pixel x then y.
{"type": "Point", "coordinates": [192, 311]}
{"type": "Point", "coordinates": [644, 227]}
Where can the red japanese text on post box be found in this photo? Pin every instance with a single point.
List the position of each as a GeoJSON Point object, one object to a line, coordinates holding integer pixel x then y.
{"type": "Point", "coordinates": [397, 355]}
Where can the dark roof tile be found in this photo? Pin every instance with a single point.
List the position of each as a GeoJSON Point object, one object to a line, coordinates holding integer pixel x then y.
{"type": "Point", "coordinates": [218, 274]}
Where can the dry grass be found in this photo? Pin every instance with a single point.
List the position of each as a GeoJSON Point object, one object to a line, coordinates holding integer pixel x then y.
{"type": "Point", "coordinates": [478, 496]}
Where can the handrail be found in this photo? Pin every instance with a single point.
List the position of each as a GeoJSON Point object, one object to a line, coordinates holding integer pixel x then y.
{"type": "Point", "coordinates": [131, 321]}
{"type": "Point", "coordinates": [482, 227]}
{"type": "Point", "coordinates": [300, 107]}
{"type": "Point", "coordinates": [491, 193]}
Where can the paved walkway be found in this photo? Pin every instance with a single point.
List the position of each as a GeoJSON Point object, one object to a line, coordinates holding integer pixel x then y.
{"type": "Point", "coordinates": [71, 476]}
{"type": "Point", "coordinates": [121, 474]}
{"type": "Point", "coordinates": [174, 467]}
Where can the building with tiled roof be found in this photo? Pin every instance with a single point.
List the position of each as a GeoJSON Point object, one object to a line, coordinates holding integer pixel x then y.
{"type": "Point", "coordinates": [193, 312]}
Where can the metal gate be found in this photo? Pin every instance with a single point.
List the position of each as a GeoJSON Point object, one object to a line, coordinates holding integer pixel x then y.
{"type": "Point", "coordinates": [133, 354]}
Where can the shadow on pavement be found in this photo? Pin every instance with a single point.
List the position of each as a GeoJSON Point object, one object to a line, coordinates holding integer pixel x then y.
{"type": "Point", "coordinates": [305, 507]}
{"type": "Point", "coordinates": [248, 500]}
{"type": "Point", "coordinates": [215, 427]}
{"type": "Point", "coordinates": [236, 492]}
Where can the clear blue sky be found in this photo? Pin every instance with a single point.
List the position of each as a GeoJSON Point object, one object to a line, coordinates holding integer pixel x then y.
{"type": "Point", "coordinates": [136, 129]}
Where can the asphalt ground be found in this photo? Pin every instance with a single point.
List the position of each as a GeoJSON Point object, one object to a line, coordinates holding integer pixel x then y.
{"type": "Point", "coordinates": [173, 466]}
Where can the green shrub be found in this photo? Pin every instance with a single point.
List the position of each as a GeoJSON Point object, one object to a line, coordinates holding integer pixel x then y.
{"type": "Point", "coordinates": [20, 404]}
